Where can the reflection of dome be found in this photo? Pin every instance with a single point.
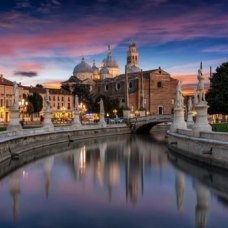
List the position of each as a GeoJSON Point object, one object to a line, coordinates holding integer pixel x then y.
{"type": "Point", "coordinates": [109, 61]}
{"type": "Point", "coordinates": [83, 67]}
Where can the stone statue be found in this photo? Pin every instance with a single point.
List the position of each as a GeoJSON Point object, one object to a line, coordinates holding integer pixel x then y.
{"type": "Point", "coordinates": [16, 94]}
{"type": "Point", "coordinates": [200, 85]}
{"type": "Point", "coordinates": [101, 105]}
{"type": "Point", "coordinates": [76, 102]}
{"type": "Point", "coordinates": [195, 96]}
{"type": "Point", "coordinates": [189, 104]}
{"type": "Point", "coordinates": [179, 96]}
{"type": "Point", "coordinates": [46, 100]}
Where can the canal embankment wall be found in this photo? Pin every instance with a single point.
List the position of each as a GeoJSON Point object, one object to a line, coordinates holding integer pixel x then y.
{"type": "Point", "coordinates": [29, 139]}
{"type": "Point", "coordinates": [210, 147]}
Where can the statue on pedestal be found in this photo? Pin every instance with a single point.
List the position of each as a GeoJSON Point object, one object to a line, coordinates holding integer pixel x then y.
{"type": "Point", "coordinates": [101, 105]}
{"type": "Point", "coordinates": [200, 85]}
{"type": "Point", "coordinates": [46, 101]}
{"type": "Point", "coordinates": [179, 97]}
{"type": "Point", "coordinates": [16, 95]}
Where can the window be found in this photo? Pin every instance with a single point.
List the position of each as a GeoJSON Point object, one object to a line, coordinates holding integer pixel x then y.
{"type": "Point", "coordinates": [106, 88]}
{"type": "Point", "coordinates": [62, 98]}
{"type": "Point", "coordinates": [130, 85]}
{"type": "Point", "coordinates": [159, 84]}
{"type": "Point", "coordinates": [160, 110]}
{"type": "Point", "coordinates": [117, 86]}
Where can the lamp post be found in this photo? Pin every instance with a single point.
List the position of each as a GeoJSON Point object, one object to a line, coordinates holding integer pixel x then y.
{"type": "Point", "coordinates": [23, 108]}
{"type": "Point", "coordinates": [115, 112]}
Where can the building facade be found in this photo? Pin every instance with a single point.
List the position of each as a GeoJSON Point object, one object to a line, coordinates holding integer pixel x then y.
{"type": "Point", "coordinates": [153, 90]}
{"type": "Point", "coordinates": [62, 102]}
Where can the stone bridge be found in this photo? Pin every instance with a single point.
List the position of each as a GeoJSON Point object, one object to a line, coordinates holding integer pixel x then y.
{"type": "Point", "coordinates": [145, 123]}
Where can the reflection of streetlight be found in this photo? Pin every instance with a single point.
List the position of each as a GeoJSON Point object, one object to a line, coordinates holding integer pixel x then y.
{"type": "Point", "coordinates": [23, 107]}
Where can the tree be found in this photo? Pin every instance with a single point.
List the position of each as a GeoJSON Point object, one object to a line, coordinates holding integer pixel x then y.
{"type": "Point", "coordinates": [109, 105]}
{"type": "Point", "coordinates": [37, 101]}
{"type": "Point", "coordinates": [39, 86]}
{"type": "Point", "coordinates": [217, 95]}
{"type": "Point", "coordinates": [83, 92]}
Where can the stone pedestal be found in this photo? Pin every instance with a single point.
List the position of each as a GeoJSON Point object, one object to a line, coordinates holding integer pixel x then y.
{"type": "Point", "coordinates": [47, 124]}
{"type": "Point", "coordinates": [14, 124]}
{"type": "Point", "coordinates": [201, 123]}
{"type": "Point", "coordinates": [190, 121]}
{"type": "Point", "coordinates": [76, 121]}
{"type": "Point", "coordinates": [126, 113]}
{"type": "Point", "coordinates": [102, 122]}
{"type": "Point", "coordinates": [178, 120]}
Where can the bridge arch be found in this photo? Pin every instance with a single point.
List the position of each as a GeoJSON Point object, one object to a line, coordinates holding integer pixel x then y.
{"type": "Point", "coordinates": [144, 124]}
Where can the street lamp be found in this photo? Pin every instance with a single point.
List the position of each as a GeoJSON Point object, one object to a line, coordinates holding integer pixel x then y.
{"type": "Point", "coordinates": [115, 112]}
{"type": "Point", "coordinates": [23, 107]}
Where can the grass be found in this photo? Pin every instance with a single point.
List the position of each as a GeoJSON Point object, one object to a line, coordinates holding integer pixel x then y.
{"type": "Point", "coordinates": [220, 127]}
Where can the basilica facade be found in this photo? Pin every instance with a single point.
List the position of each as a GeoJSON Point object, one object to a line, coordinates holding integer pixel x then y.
{"type": "Point", "coordinates": [152, 90]}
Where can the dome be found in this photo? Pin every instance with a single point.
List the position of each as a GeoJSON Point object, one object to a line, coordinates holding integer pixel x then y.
{"type": "Point", "coordinates": [83, 67]}
{"type": "Point", "coordinates": [94, 68]}
{"type": "Point", "coordinates": [109, 61]}
{"type": "Point", "coordinates": [104, 70]}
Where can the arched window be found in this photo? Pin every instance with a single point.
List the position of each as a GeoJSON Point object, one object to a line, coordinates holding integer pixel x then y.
{"type": "Point", "coordinates": [106, 88]}
{"type": "Point", "coordinates": [117, 86]}
{"type": "Point", "coordinates": [159, 84]}
{"type": "Point", "coordinates": [130, 85]}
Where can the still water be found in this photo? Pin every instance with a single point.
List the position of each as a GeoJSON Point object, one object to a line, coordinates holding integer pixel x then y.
{"type": "Point", "coordinates": [121, 181]}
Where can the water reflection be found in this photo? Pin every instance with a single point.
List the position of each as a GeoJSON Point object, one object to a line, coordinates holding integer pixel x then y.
{"type": "Point", "coordinates": [121, 172]}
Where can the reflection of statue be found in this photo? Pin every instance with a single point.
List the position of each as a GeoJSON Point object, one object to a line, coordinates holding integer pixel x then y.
{"type": "Point", "coordinates": [179, 96]}
{"type": "Point", "coordinates": [16, 94]}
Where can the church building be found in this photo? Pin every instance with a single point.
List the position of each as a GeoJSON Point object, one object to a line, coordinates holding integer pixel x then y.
{"type": "Point", "coordinates": [152, 91]}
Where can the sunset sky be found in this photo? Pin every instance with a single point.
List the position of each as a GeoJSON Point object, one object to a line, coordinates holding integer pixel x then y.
{"type": "Point", "coordinates": [41, 41]}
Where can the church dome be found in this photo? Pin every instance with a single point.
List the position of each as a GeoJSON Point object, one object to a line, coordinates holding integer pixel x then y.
{"type": "Point", "coordinates": [83, 67]}
{"type": "Point", "coordinates": [104, 70]}
{"type": "Point", "coordinates": [109, 61]}
{"type": "Point", "coordinates": [95, 68]}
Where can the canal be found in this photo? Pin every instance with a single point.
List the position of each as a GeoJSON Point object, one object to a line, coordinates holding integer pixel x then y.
{"type": "Point", "coordinates": [119, 181]}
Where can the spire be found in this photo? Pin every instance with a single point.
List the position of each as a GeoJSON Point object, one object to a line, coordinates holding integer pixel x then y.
{"type": "Point", "coordinates": [210, 71]}
{"type": "Point", "coordinates": [201, 65]}
{"type": "Point", "coordinates": [94, 63]}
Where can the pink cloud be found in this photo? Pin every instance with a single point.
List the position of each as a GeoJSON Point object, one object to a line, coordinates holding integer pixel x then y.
{"type": "Point", "coordinates": [29, 66]}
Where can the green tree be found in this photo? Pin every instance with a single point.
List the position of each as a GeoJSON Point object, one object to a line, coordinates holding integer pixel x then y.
{"type": "Point", "coordinates": [217, 95]}
{"type": "Point", "coordinates": [109, 105]}
{"type": "Point", "coordinates": [84, 94]}
{"type": "Point", "coordinates": [37, 102]}
{"type": "Point", "coordinates": [30, 108]}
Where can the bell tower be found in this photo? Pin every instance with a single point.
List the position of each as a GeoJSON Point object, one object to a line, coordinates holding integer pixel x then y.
{"type": "Point", "coordinates": [132, 55]}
